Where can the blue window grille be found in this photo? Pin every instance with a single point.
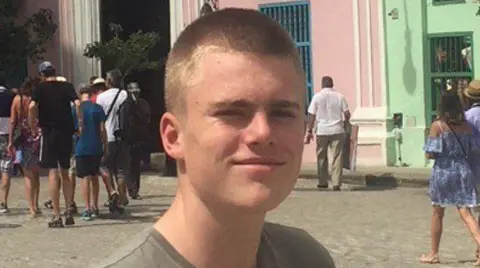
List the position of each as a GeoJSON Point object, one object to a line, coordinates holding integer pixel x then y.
{"type": "Point", "coordinates": [295, 17]}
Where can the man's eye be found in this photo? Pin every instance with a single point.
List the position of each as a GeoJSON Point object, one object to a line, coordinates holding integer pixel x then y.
{"type": "Point", "coordinates": [284, 114]}
{"type": "Point", "coordinates": [228, 113]}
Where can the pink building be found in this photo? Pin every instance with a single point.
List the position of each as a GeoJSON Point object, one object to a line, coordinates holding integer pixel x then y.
{"type": "Point", "coordinates": [346, 42]}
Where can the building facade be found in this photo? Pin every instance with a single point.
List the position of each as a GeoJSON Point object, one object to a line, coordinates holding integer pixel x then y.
{"type": "Point", "coordinates": [390, 58]}
{"type": "Point", "coordinates": [429, 48]}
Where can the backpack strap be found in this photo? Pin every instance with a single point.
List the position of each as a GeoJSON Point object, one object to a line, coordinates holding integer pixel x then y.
{"type": "Point", "coordinates": [113, 103]}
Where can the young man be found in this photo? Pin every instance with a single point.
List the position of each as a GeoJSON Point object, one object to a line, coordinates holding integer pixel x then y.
{"type": "Point", "coordinates": [327, 113]}
{"type": "Point", "coordinates": [235, 125]}
{"type": "Point", "coordinates": [51, 100]}
{"type": "Point", "coordinates": [89, 148]}
{"type": "Point", "coordinates": [117, 157]}
{"type": "Point", "coordinates": [6, 165]}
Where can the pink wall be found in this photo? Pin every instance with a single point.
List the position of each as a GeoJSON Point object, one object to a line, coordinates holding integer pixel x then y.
{"type": "Point", "coordinates": [53, 48]}
{"type": "Point", "coordinates": [333, 49]}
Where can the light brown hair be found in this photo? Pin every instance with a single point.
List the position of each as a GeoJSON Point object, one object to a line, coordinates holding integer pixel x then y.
{"type": "Point", "coordinates": [227, 30]}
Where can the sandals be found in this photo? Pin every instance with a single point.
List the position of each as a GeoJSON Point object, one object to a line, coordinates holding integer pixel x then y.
{"type": "Point", "coordinates": [429, 259]}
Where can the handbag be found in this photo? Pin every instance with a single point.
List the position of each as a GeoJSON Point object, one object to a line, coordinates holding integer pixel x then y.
{"type": "Point", "coordinates": [17, 137]}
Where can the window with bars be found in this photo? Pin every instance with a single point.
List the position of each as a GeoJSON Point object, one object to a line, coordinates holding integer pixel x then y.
{"type": "Point", "coordinates": [295, 17]}
{"type": "Point", "coordinates": [445, 2]}
{"type": "Point", "coordinates": [451, 64]}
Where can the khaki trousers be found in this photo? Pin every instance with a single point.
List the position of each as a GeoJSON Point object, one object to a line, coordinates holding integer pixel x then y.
{"type": "Point", "coordinates": [334, 144]}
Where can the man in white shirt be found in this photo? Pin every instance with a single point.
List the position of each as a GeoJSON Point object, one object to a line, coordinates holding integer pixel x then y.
{"type": "Point", "coordinates": [116, 160]}
{"type": "Point", "coordinates": [328, 113]}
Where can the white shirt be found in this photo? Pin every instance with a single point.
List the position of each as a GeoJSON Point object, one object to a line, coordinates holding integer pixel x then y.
{"type": "Point", "coordinates": [105, 100]}
{"type": "Point", "coordinates": [328, 107]}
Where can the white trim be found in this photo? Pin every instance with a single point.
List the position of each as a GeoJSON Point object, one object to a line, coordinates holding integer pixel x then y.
{"type": "Point", "coordinates": [176, 20]}
{"type": "Point", "coordinates": [368, 6]}
{"type": "Point", "coordinates": [381, 41]}
{"type": "Point", "coordinates": [356, 43]}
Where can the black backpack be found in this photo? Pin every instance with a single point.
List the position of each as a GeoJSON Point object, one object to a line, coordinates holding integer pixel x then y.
{"type": "Point", "coordinates": [133, 124]}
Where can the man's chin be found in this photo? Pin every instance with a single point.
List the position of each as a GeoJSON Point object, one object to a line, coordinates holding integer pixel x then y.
{"type": "Point", "coordinates": [259, 199]}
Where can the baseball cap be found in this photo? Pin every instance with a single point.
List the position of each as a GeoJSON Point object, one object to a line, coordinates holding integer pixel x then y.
{"type": "Point", "coordinates": [133, 87]}
{"type": "Point", "coordinates": [98, 81]}
{"type": "Point", "coordinates": [83, 88]}
{"type": "Point", "coordinates": [44, 66]}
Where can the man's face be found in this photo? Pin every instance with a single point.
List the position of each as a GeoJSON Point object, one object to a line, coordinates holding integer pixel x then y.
{"type": "Point", "coordinates": [241, 140]}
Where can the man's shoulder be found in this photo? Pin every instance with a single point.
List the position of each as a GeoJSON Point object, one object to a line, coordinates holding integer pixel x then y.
{"type": "Point", "coordinates": [297, 244]}
{"type": "Point", "coordinates": [133, 254]}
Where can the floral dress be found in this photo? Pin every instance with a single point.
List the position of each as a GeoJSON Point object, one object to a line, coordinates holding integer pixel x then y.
{"type": "Point", "coordinates": [452, 181]}
{"type": "Point", "coordinates": [29, 148]}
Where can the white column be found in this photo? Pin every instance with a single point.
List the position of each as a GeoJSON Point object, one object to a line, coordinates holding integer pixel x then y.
{"type": "Point", "coordinates": [368, 6]}
{"type": "Point", "coordinates": [356, 44]}
{"type": "Point", "coordinates": [86, 29]}
{"type": "Point", "coordinates": [176, 20]}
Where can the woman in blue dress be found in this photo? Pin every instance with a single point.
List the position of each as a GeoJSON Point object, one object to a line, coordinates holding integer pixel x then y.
{"type": "Point", "coordinates": [452, 182]}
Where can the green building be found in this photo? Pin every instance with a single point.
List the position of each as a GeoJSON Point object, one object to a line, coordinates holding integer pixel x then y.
{"type": "Point", "coordinates": [429, 48]}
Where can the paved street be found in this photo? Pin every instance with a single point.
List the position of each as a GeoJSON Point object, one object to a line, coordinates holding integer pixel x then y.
{"type": "Point", "coordinates": [374, 227]}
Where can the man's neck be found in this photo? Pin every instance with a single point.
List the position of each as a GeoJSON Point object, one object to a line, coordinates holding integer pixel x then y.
{"type": "Point", "coordinates": [207, 240]}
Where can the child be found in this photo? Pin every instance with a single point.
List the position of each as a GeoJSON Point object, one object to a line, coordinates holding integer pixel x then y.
{"type": "Point", "coordinates": [89, 149]}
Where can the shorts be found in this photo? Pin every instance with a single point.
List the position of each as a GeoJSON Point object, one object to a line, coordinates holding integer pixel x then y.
{"type": "Point", "coordinates": [27, 158]}
{"type": "Point", "coordinates": [87, 165]}
{"type": "Point", "coordinates": [55, 149]}
{"type": "Point", "coordinates": [117, 159]}
{"type": "Point", "coordinates": [6, 163]}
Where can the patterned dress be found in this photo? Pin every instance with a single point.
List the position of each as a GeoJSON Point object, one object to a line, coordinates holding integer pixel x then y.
{"type": "Point", "coordinates": [452, 181]}
{"type": "Point", "coordinates": [29, 149]}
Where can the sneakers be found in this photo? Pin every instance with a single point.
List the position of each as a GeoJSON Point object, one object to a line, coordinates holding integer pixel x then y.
{"type": "Point", "coordinates": [73, 208]}
{"type": "Point", "coordinates": [95, 213]}
{"type": "Point", "coordinates": [48, 204]}
{"type": "Point", "coordinates": [69, 217]}
{"type": "Point", "coordinates": [86, 215]}
{"type": "Point", "coordinates": [55, 222]}
{"type": "Point", "coordinates": [4, 208]}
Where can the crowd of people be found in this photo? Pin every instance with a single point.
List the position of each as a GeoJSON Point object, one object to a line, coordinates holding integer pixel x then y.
{"type": "Point", "coordinates": [98, 129]}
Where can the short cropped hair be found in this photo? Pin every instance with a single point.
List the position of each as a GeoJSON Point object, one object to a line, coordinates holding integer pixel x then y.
{"type": "Point", "coordinates": [228, 30]}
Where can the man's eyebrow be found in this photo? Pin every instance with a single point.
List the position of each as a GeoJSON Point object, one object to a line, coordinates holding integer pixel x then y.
{"type": "Point", "coordinates": [241, 103]}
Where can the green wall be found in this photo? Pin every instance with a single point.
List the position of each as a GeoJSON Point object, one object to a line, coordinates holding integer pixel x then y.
{"type": "Point", "coordinates": [405, 79]}
{"type": "Point", "coordinates": [407, 62]}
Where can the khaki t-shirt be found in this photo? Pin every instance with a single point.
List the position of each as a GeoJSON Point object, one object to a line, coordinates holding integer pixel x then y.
{"type": "Point", "coordinates": [280, 247]}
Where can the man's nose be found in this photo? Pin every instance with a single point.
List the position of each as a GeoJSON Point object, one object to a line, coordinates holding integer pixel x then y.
{"type": "Point", "coordinates": [259, 131]}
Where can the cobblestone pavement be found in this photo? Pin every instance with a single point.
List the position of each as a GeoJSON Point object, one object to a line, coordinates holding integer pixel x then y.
{"type": "Point", "coordinates": [362, 227]}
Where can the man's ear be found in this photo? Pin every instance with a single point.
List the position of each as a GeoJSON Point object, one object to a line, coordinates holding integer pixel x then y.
{"type": "Point", "coordinates": [171, 136]}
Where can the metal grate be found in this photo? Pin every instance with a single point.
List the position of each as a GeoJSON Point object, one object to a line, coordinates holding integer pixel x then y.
{"type": "Point", "coordinates": [295, 17]}
{"type": "Point", "coordinates": [451, 65]}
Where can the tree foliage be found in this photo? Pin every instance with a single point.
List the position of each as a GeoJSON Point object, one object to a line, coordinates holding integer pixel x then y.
{"type": "Point", "coordinates": [127, 55]}
{"type": "Point", "coordinates": [23, 38]}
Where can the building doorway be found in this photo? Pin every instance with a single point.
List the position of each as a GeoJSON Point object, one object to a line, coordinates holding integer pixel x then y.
{"type": "Point", "coordinates": [147, 16]}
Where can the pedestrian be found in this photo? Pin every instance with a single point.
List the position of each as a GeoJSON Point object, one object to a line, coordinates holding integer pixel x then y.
{"type": "Point", "coordinates": [141, 147]}
{"type": "Point", "coordinates": [98, 86]}
{"type": "Point", "coordinates": [327, 114]}
{"type": "Point", "coordinates": [235, 98]}
{"type": "Point", "coordinates": [452, 182]}
{"type": "Point", "coordinates": [91, 145]}
{"type": "Point", "coordinates": [471, 97]}
{"type": "Point", "coordinates": [6, 163]}
{"type": "Point", "coordinates": [117, 157]}
{"type": "Point", "coordinates": [51, 101]}
{"type": "Point", "coordinates": [26, 145]}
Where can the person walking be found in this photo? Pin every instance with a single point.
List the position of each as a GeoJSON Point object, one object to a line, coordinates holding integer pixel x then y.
{"type": "Point", "coordinates": [137, 150]}
{"type": "Point", "coordinates": [26, 145]}
{"type": "Point", "coordinates": [327, 114]}
{"type": "Point", "coordinates": [51, 101]}
{"type": "Point", "coordinates": [452, 183]}
{"type": "Point", "coordinates": [6, 163]}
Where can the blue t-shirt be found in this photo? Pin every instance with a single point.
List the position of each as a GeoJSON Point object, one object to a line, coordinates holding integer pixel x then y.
{"type": "Point", "coordinates": [90, 142]}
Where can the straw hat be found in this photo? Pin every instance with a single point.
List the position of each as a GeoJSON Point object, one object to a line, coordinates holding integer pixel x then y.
{"type": "Point", "coordinates": [473, 90]}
